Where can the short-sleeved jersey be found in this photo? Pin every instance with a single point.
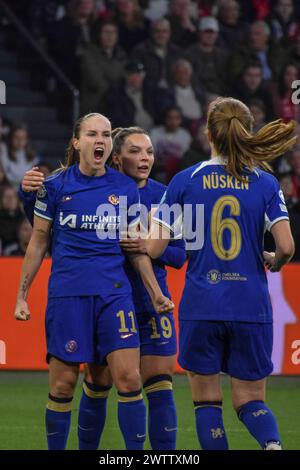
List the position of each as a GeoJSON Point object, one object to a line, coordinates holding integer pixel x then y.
{"type": "Point", "coordinates": [225, 279]}
{"type": "Point", "coordinates": [87, 217]}
{"type": "Point", "coordinates": [150, 196]}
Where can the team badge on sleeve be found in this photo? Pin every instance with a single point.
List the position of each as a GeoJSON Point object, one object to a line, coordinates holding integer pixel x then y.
{"type": "Point", "coordinates": [42, 192]}
{"type": "Point", "coordinates": [281, 196]}
{"type": "Point", "coordinates": [113, 199]}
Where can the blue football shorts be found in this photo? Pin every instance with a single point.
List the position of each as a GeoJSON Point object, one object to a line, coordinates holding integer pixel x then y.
{"type": "Point", "coordinates": [88, 328]}
{"type": "Point", "coordinates": [242, 350]}
{"type": "Point", "coordinates": [157, 334]}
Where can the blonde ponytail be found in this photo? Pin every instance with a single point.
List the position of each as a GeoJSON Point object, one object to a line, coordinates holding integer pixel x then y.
{"type": "Point", "coordinates": [230, 125]}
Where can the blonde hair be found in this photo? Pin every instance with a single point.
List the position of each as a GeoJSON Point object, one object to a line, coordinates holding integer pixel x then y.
{"type": "Point", "coordinates": [230, 125]}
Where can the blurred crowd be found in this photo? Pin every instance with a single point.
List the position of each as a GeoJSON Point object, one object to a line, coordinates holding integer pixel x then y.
{"type": "Point", "coordinates": [158, 64]}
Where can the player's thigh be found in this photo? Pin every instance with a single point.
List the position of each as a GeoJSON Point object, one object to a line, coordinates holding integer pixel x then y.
{"type": "Point", "coordinates": [63, 377]}
{"type": "Point", "coordinates": [205, 387]}
{"type": "Point", "coordinates": [152, 366]}
{"type": "Point", "coordinates": [116, 329]}
{"type": "Point", "coordinates": [124, 365]}
{"type": "Point", "coordinates": [249, 352]}
{"type": "Point", "coordinates": [97, 374]}
{"type": "Point", "coordinates": [202, 346]}
{"type": "Point", "coordinates": [244, 391]}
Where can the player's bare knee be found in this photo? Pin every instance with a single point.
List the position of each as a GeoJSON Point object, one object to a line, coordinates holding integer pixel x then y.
{"type": "Point", "coordinates": [245, 391]}
{"type": "Point", "coordinates": [128, 380]}
{"type": "Point", "coordinates": [100, 377]}
{"type": "Point", "coordinates": [63, 388]}
{"type": "Point", "coordinates": [205, 387]}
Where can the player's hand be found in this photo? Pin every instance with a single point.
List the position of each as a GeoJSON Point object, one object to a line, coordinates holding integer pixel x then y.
{"type": "Point", "coordinates": [32, 180]}
{"type": "Point", "coordinates": [269, 258]}
{"type": "Point", "coordinates": [163, 304]}
{"type": "Point", "coordinates": [22, 311]}
{"type": "Point", "coordinates": [136, 245]}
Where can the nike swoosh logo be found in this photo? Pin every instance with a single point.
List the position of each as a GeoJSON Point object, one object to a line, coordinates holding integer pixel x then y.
{"type": "Point", "coordinates": [139, 436]}
{"type": "Point", "coordinates": [126, 336]}
{"type": "Point", "coordinates": [85, 429]}
{"type": "Point", "coordinates": [170, 429]}
{"type": "Point", "coordinates": [52, 433]}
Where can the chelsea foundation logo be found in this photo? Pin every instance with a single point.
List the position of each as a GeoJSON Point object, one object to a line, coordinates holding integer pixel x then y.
{"type": "Point", "coordinates": [113, 199]}
{"type": "Point", "coordinates": [213, 276]}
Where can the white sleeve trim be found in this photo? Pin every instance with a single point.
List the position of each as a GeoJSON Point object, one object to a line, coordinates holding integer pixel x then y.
{"type": "Point", "coordinates": [42, 216]}
{"type": "Point", "coordinates": [161, 222]}
{"type": "Point", "coordinates": [270, 224]}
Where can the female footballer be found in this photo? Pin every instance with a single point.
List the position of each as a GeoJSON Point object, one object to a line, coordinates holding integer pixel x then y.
{"type": "Point", "coordinates": [225, 311]}
{"type": "Point", "coordinates": [90, 315]}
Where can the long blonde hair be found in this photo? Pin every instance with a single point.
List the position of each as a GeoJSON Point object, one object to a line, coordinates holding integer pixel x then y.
{"type": "Point", "coordinates": [230, 125]}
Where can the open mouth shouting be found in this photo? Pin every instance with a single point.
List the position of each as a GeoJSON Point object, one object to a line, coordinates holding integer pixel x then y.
{"type": "Point", "coordinates": [98, 154]}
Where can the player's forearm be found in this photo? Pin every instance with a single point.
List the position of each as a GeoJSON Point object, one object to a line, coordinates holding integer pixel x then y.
{"type": "Point", "coordinates": [143, 265]}
{"type": "Point", "coordinates": [28, 200]}
{"type": "Point", "coordinates": [173, 256]}
{"type": "Point", "coordinates": [32, 261]}
{"type": "Point", "coordinates": [283, 257]}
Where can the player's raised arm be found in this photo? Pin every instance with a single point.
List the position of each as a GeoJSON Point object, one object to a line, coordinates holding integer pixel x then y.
{"type": "Point", "coordinates": [34, 256]}
{"type": "Point", "coordinates": [285, 246]}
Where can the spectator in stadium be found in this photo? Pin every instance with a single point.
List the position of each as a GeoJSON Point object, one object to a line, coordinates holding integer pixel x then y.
{"type": "Point", "coordinates": [259, 46]}
{"type": "Point", "coordinates": [3, 179]}
{"type": "Point", "coordinates": [70, 36]}
{"type": "Point", "coordinates": [5, 126]}
{"type": "Point", "coordinates": [209, 62]}
{"type": "Point", "coordinates": [158, 54]}
{"type": "Point", "coordinates": [255, 9]}
{"type": "Point", "coordinates": [294, 214]}
{"type": "Point", "coordinates": [282, 94]}
{"type": "Point", "coordinates": [293, 55]}
{"type": "Point", "coordinates": [183, 22]}
{"type": "Point", "coordinates": [155, 9]}
{"type": "Point", "coordinates": [10, 215]}
{"type": "Point", "coordinates": [24, 232]}
{"type": "Point", "coordinates": [208, 7]}
{"type": "Point", "coordinates": [286, 184]}
{"type": "Point", "coordinates": [252, 86]}
{"type": "Point", "coordinates": [294, 162]}
{"type": "Point", "coordinates": [43, 16]}
{"type": "Point", "coordinates": [76, 271]}
{"type": "Point", "coordinates": [170, 142]}
{"type": "Point", "coordinates": [232, 29]}
{"type": "Point", "coordinates": [132, 102]}
{"type": "Point", "coordinates": [258, 111]}
{"type": "Point", "coordinates": [283, 23]}
{"type": "Point", "coordinates": [199, 149]}
{"type": "Point", "coordinates": [16, 157]}
{"type": "Point", "coordinates": [234, 337]}
{"type": "Point", "coordinates": [185, 94]}
{"type": "Point", "coordinates": [102, 66]}
{"type": "Point", "coordinates": [133, 26]}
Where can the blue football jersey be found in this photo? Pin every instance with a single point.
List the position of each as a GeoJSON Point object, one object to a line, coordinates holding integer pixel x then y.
{"type": "Point", "coordinates": [174, 255]}
{"type": "Point", "coordinates": [87, 214]}
{"type": "Point", "coordinates": [223, 221]}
